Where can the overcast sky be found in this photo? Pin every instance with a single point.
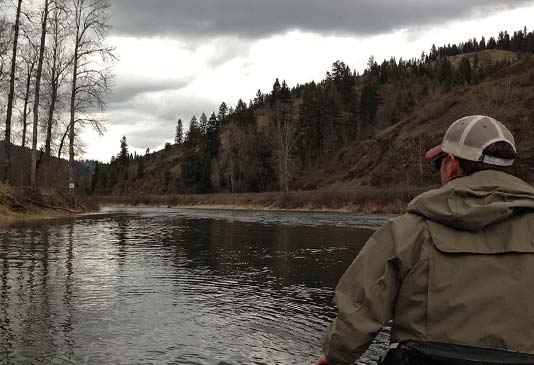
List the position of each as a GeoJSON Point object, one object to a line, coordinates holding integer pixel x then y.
{"type": "Point", "coordinates": [179, 58]}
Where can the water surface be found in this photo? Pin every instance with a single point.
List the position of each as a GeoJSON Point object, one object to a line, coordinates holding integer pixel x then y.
{"type": "Point", "coordinates": [175, 286]}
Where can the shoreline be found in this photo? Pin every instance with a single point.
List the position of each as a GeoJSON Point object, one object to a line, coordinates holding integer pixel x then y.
{"type": "Point", "coordinates": [34, 216]}
{"type": "Point", "coordinates": [18, 208]}
{"type": "Point", "coordinates": [237, 207]}
{"type": "Point", "coordinates": [387, 201]}
{"type": "Point", "coordinates": [23, 205]}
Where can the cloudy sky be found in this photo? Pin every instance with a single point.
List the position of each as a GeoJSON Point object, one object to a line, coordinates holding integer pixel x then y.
{"type": "Point", "coordinates": [179, 58]}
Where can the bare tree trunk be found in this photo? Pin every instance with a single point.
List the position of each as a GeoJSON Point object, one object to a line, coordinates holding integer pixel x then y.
{"type": "Point", "coordinates": [72, 120]}
{"type": "Point", "coordinates": [33, 175]}
{"type": "Point", "coordinates": [62, 142]}
{"type": "Point", "coordinates": [58, 68]}
{"type": "Point", "coordinates": [25, 118]}
{"type": "Point", "coordinates": [51, 109]}
{"type": "Point", "coordinates": [284, 129]}
{"type": "Point", "coordinates": [89, 86]}
{"type": "Point", "coordinates": [7, 140]}
{"type": "Point", "coordinates": [26, 102]}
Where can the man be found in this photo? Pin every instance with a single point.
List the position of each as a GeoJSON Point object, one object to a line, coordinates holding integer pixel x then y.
{"type": "Point", "coordinates": [456, 272]}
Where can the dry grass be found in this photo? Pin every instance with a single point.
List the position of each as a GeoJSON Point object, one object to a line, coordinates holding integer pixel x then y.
{"type": "Point", "coordinates": [365, 200]}
{"type": "Point", "coordinates": [485, 57]}
{"type": "Point", "coordinates": [22, 204]}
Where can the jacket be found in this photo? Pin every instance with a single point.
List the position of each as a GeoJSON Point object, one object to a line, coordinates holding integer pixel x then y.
{"type": "Point", "coordinates": [458, 267]}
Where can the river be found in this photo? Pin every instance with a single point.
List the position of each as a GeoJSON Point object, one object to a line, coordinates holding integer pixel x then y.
{"type": "Point", "coordinates": [144, 286]}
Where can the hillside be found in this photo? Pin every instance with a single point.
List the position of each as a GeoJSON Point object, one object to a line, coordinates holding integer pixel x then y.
{"type": "Point", "coordinates": [52, 171]}
{"type": "Point", "coordinates": [392, 156]}
{"type": "Point", "coordinates": [403, 109]}
{"type": "Point", "coordinates": [485, 57]}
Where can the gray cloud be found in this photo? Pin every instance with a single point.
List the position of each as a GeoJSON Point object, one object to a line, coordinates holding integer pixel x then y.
{"type": "Point", "coordinates": [150, 121]}
{"type": "Point", "coordinates": [260, 18]}
{"type": "Point", "coordinates": [127, 89]}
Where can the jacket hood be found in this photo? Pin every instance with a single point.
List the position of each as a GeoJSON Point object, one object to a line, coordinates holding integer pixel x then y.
{"type": "Point", "coordinates": [476, 201]}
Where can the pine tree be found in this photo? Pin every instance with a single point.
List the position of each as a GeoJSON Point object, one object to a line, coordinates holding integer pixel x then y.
{"type": "Point", "coordinates": [285, 93]}
{"type": "Point", "coordinates": [213, 137]}
{"type": "Point", "coordinates": [465, 71]}
{"type": "Point", "coordinates": [203, 123]}
{"type": "Point", "coordinates": [123, 157]}
{"type": "Point", "coordinates": [368, 104]}
{"type": "Point", "coordinates": [482, 44]}
{"type": "Point", "coordinates": [258, 100]}
{"type": "Point", "coordinates": [179, 136]}
{"type": "Point", "coordinates": [192, 139]}
{"type": "Point", "coordinates": [275, 93]}
{"type": "Point", "coordinates": [223, 112]}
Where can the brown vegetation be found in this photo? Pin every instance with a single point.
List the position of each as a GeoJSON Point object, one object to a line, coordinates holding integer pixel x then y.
{"type": "Point", "coordinates": [392, 157]}
{"type": "Point", "coordinates": [364, 200]}
{"type": "Point", "coordinates": [26, 203]}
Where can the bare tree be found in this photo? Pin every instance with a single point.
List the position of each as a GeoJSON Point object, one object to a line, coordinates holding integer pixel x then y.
{"type": "Point", "coordinates": [58, 62]}
{"type": "Point", "coordinates": [5, 42]}
{"type": "Point", "coordinates": [227, 162]}
{"type": "Point", "coordinates": [29, 59]}
{"type": "Point", "coordinates": [284, 128]}
{"type": "Point", "coordinates": [91, 74]}
{"type": "Point", "coordinates": [44, 23]}
{"type": "Point", "coordinates": [494, 97]}
{"type": "Point", "coordinates": [11, 96]}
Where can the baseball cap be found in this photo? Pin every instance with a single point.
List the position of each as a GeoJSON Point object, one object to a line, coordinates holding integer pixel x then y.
{"type": "Point", "coordinates": [469, 136]}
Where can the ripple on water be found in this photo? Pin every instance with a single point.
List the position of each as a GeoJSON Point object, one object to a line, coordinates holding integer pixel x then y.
{"type": "Point", "coordinates": [176, 286]}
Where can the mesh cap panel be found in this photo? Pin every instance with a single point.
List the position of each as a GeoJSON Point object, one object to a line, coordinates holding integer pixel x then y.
{"type": "Point", "coordinates": [469, 136]}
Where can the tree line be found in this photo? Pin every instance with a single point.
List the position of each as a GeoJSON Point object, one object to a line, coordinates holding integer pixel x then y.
{"type": "Point", "coordinates": [520, 41]}
{"type": "Point", "coordinates": [55, 73]}
{"type": "Point", "coordinates": [263, 144]}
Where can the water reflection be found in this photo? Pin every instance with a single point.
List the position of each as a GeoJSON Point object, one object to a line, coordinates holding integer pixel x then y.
{"type": "Point", "coordinates": [149, 286]}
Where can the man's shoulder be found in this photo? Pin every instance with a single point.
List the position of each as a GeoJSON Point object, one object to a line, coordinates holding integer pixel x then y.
{"type": "Point", "coordinates": [403, 230]}
{"type": "Point", "coordinates": [407, 219]}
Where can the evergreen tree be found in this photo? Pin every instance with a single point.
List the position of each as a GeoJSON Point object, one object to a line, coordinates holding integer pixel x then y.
{"type": "Point", "coordinates": [179, 136]}
{"type": "Point", "coordinates": [445, 72]}
{"type": "Point", "coordinates": [482, 44]}
{"type": "Point", "coordinates": [492, 44]}
{"type": "Point", "coordinates": [369, 104]}
{"type": "Point", "coordinates": [465, 71]}
{"type": "Point", "coordinates": [285, 93]}
{"type": "Point", "coordinates": [343, 80]}
{"type": "Point", "coordinates": [275, 93]}
{"type": "Point", "coordinates": [258, 100]}
{"type": "Point", "coordinates": [223, 112]}
{"type": "Point", "coordinates": [213, 138]}
{"type": "Point", "coordinates": [310, 123]}
{"type": "Point", "coordinates": [203, 123]}
{"type": "Point", "coordinates": [192, 138]}
{"type": "Point", "coordinates": [243, 116]}
{"type": "Point", "coordinates": [123, 157]}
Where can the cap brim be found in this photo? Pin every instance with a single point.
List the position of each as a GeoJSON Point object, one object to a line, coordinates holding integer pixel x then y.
{"type": "Point", "coordinates": [430, 154]}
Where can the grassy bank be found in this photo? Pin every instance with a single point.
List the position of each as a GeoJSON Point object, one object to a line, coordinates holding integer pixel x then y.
{"type": "Point", "coordinates": [23, 204]}
{"type": "Point", "coordinates": [364, 200]}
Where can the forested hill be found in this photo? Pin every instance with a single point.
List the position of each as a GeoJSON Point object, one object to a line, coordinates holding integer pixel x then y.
{"type": "Point", "coordinates": [345, 132]}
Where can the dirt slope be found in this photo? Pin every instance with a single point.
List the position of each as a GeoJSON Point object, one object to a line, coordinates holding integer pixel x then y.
{"type": "Point", "coordinates": [392, 157]}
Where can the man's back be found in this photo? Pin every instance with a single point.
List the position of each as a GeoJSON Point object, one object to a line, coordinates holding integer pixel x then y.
{"type": "Point", "coordinates": [476, 266]}
{"type": "Point", "coordinates": [457, 269]}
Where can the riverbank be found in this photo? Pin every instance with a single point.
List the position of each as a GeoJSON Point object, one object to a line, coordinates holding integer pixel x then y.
{"type": "Point", "coordinates": [23, 204]}
{"type": "Point", "coordinates": [364, 200]}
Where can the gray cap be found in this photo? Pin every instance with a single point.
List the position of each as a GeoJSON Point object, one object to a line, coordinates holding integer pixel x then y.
{"type": "Point", "coordinates": [469, 136]}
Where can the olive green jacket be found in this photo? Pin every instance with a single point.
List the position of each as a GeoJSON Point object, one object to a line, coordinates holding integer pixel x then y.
{"type": "Point", "coordinates": [457, 268]}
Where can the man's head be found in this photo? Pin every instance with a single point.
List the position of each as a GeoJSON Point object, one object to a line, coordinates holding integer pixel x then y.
{"type": "Point", "coordinates": [472, 144]}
